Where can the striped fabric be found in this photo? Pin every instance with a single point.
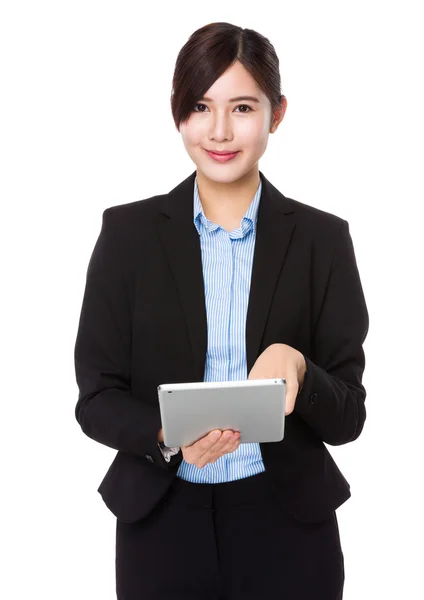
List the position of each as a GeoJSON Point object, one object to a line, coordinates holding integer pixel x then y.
{"type": "Point", "coordinates": [227, 259]}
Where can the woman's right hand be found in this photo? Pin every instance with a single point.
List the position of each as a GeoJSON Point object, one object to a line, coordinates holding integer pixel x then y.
{"type": "Point", "coordinates": [209, 448]}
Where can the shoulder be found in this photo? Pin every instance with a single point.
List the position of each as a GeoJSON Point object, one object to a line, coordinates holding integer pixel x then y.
{"type": "Point", "coordinates": [315, 227]}
{"type": "Point", "coordinates": [133, 216]}
{"type": "Point", "coordinates": [323, 229]}
{"type": "Point", "coordinates": [310, 218]}
{"type": "Point", "coordinates": [315, 219]}
{"type": "Point", "coordinates": [133, 210]}
{"type": "Point", "coordinates": [313, 215]}
{"type": "Point", "coordinates": [321, 232]}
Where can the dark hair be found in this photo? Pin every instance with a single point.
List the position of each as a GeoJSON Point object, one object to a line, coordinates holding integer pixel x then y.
{"type": "Point", "coordinates": [209, 52]}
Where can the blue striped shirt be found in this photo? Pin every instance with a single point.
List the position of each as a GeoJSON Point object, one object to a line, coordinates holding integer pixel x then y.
{"type": "Point", "coordinates": [227, 259]}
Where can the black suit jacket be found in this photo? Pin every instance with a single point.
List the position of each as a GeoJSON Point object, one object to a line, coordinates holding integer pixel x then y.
{"type": "Point", "coordinates": [143, 323]}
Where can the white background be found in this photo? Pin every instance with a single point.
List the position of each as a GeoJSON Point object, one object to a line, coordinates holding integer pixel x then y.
{"type": "Point", "coordinates": [86, 124]}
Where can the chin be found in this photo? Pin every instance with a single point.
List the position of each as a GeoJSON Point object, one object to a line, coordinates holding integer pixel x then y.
{"type": "Point", "coordinates": [228, 174]}
{"type": "Point", "coordinates": [218, 175]}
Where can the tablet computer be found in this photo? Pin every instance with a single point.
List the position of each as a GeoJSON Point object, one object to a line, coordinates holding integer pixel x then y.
{"type": "Point", "coordinates": [254, 407]}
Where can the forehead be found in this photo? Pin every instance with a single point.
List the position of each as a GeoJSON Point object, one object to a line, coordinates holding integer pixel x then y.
{"type": "Point", "coordinates": [235, 83]}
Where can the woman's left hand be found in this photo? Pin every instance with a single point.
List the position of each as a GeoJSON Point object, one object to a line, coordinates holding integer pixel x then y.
{"type": "Point", "coordinates": [282, 361]}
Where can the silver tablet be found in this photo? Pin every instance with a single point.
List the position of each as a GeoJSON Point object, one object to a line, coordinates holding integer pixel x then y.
{"type": "Point", "coordinates": [255, 407]}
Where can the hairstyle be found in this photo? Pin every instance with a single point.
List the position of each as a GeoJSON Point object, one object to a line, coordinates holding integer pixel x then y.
{"type": "Point", "coordinates": [209, 52]}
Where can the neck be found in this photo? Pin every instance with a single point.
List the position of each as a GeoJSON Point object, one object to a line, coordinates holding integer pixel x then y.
{"type": "Point", "coordinates": [222, 200]}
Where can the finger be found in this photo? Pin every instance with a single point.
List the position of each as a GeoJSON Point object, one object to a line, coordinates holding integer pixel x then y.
{"type": "Point", "coordinates": [225, 440]}
{"type": "Point", "coordinates": [210, 446]}
{"type": "Point", "coordinates": [205, 441]}
{"type": "Point", "coordinates": [226, 443]}
{"type": "Point", "coordinates": [215, 446]}
{"type": "Point", "coordinates": [222, 446]}
{"type": "Point", "coordinates": [210, 438]}
{"type": "Point", "coordinates": [292, 387]}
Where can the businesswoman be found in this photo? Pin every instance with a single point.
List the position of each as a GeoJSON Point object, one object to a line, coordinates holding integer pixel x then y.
{"type": "Point", "coordinates": [223, 278]}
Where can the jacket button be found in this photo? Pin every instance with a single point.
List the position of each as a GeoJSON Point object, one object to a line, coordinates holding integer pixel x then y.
{"type": "Point", "coordinates": [150, 458]}
{"type": "Point", "coordinates": [313, 397]}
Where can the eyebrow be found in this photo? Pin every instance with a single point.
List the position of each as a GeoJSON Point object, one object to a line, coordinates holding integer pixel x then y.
{"type": "Point", "coordinates": [236, 99]}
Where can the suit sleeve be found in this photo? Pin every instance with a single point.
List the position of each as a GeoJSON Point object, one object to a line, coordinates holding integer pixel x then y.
{"type": "Point", "coordinates": [332, 400]}
{"type": "Point", "coordinates": [106, 409]}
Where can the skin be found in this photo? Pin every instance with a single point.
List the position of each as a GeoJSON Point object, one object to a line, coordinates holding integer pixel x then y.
{"type": "Point", "coordinates": [226, 191]}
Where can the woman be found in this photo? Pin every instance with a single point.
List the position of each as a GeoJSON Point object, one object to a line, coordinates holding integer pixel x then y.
{"type": "Point", "coordinates": [223, 278]}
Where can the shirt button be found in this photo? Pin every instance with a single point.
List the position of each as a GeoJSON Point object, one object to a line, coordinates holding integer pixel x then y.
{"type": "Point", "coordinates": [150, 458]}
{"type": "Point", "coordinates": [313, 397]}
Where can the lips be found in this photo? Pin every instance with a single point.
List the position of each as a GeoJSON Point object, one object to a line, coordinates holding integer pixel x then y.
{"type": "Point", "coordinates": [223, 156]}
{"type": "Point", "coordinates": [221, 152]}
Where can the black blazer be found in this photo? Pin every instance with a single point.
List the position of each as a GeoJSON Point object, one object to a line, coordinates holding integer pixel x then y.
{"type": "Point", "coordinates": [143, 323]}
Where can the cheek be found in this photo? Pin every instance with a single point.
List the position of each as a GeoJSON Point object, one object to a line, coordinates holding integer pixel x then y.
{"type": "Point", "coordinates": [256, 141]}
{"type": "Point", "coordinates": [253, 134]}
{"type": "Point", "coordinates": [192, 133]}
{"type": "Point", "coordinates": [192, 139]}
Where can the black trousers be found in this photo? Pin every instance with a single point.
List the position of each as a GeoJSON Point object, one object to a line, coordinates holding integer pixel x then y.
{"type": "Point", "coordinates": [227, 541]}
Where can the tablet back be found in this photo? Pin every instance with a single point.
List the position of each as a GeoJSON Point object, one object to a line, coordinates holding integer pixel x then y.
{"type": "Point", "coordinates": [255, 407]}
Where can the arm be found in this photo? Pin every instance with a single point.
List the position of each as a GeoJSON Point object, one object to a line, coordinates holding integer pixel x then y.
{"type": "Point", "coordinates": [106, 409]}
{"type": "Point", "coordinates": [332, 399]}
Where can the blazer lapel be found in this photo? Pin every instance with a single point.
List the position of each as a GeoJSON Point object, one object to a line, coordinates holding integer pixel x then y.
{"type": "Point", "coordinates": [181, 243]}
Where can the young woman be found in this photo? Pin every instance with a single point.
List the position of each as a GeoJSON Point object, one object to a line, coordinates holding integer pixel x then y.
{"type": "Point", "coordinates": [224, 278]}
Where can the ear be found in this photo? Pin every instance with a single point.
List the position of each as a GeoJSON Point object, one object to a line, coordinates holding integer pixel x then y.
{"type": "Point", "coordinates": [278, 114]}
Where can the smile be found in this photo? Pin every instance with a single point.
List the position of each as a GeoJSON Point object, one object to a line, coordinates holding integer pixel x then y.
{"type": "Point", "coordinates": [222, 157]}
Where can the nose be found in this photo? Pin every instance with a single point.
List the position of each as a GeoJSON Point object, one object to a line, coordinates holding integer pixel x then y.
{"type": "Point", "coordinates": [220, 127]}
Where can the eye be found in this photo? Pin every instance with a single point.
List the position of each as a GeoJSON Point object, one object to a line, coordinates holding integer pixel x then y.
{"type": "Point", "coordinates": [198, 105]}
{"type": "Point", "coordinates": [238, 106]}
{"type": "Point", "coordinates": [246, 106]}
